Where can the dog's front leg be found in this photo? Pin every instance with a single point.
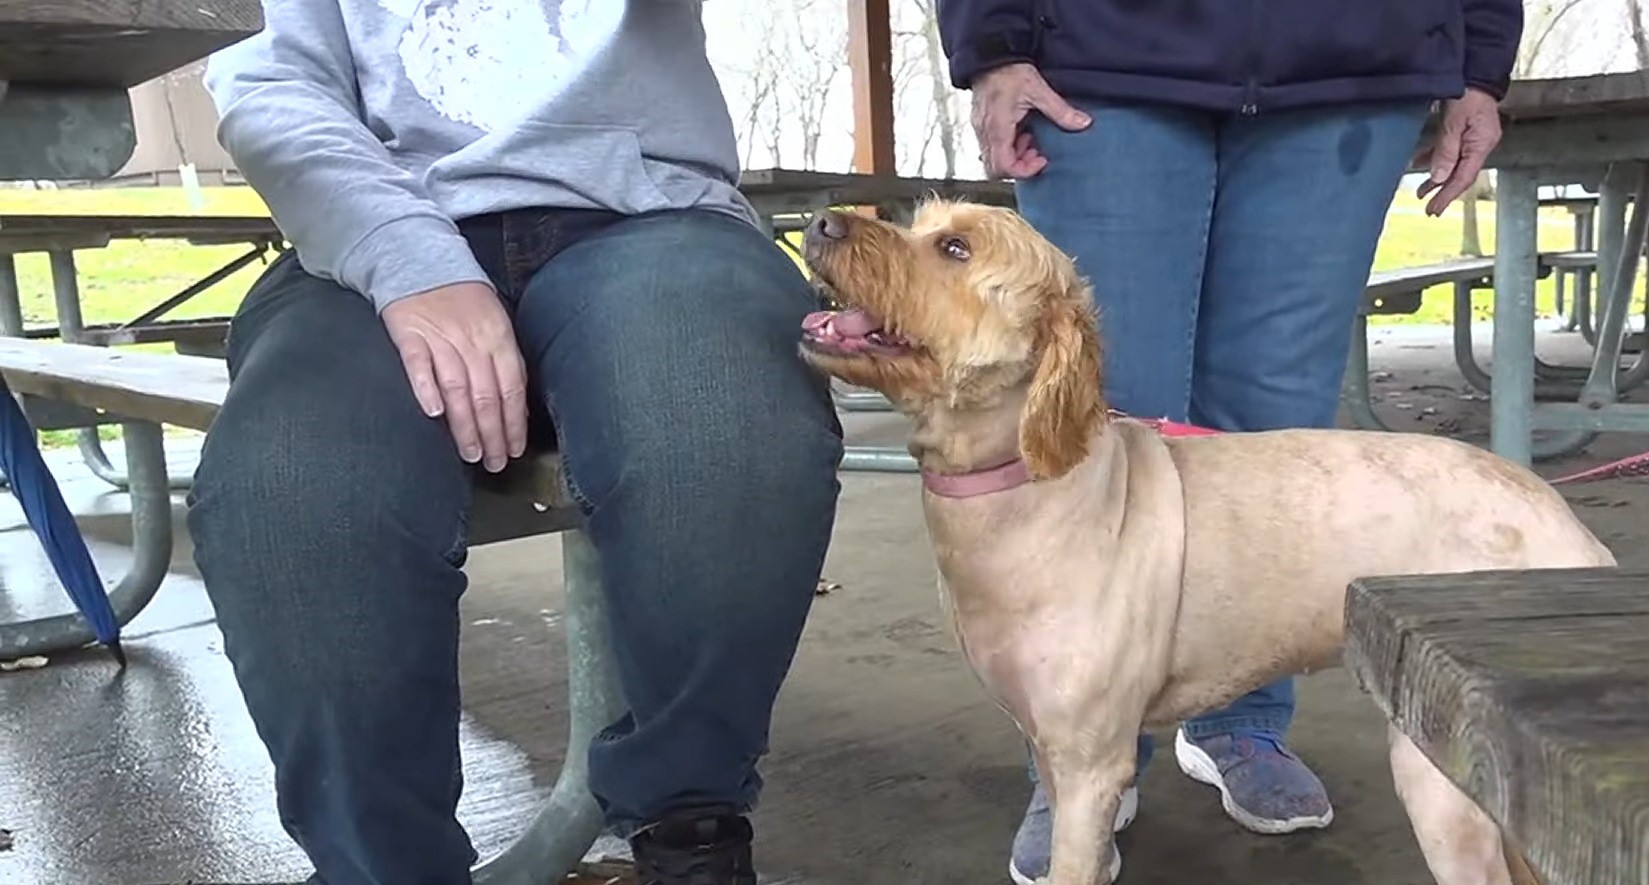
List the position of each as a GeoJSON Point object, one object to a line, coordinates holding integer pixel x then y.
{"type": "Point", "coordinates": [1085, 786]}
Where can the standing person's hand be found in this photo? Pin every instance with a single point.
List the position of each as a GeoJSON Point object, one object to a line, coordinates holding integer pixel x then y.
{"type": "Point", "coordinates": [1469, 133]}
{"type": "Point", "coordinates": [1002, 98]}
{"type": "Point", "coordinates": [459, 351]}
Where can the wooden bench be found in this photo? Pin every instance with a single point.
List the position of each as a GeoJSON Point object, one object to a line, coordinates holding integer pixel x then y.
{"type": "Point", "coordinates": [59, 236]}
{"type": "Point", "coordinates": [144, 390]}
{"type": "Point", "coordinates": [1400, 291]}
{"type": "Point", "coordinates": [1529, 690]}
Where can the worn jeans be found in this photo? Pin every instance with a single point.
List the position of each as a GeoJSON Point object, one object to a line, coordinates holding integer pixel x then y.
{"type": "Point", "coordinates": [328, 515]}
{"type": "Point", "coordinates": [1228, 256]}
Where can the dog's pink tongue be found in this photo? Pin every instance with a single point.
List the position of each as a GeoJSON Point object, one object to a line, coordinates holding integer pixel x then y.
{"type": "Point", "coordinates": [855, 323]}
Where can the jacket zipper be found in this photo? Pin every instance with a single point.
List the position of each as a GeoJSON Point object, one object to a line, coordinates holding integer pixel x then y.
{"type": "Point", "coordinates": [1251, 86]}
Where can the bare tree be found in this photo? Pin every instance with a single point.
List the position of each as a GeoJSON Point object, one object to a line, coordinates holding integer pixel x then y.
{"type": "Point", "coordinates": [755, 90]}
{"type": "Point", "coordinates": [944, 98]}
{"type": "Point", "coordinates": [1640, 32]}
{"type": "Point", "coordinates": [1544, 35]}
{"type": "Point", "coordinates": [1546, 39]}
{"type": "Point", "coordinates": [910, 75]}
{"type": "Point", "coordinates": [811, 51]}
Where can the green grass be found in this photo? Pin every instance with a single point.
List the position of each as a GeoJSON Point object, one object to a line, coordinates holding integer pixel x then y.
{"type": "Point", "coordinates": [121, 281]}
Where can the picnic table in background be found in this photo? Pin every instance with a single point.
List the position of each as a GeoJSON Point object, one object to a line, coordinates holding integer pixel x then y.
{"type": "Point", "coordinates": [1594, 132]}
{"type": "Point", "coordinates": [60, 236]}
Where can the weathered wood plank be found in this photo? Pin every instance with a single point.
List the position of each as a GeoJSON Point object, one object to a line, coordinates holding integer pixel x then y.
{"type": "Point", "coordinates": [870, 62]}
{"type": "Point", "coordinates": [1531, 691]}
{"type": "Point", "coordinates": [789, 190]}
{"type": "Point", "coordinates": [115, 43]}
{"type": "Point", "coordinates": [187, 391]}
{"type": "Point", "coordinates": [1409, 279]}
{"type": "Point", "coordinates": [204, 230]}
{"type": "Point", "coordinates": [1564, 96]}
{"type": "Point", "coordinates": [184, 391]}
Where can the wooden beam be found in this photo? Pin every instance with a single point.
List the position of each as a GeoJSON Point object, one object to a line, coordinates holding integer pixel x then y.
{"type": "Point", "coordinates": [115, 43]}
{"type": "Point", "coordinates": [870, 59]}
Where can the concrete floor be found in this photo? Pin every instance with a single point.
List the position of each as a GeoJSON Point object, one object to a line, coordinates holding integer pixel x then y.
{"type": "Point", "coordinates": [889, 765]}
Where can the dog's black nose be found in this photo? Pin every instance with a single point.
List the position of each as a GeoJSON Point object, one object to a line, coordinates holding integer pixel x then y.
{"type": "Point", "coordinates": [830, 225]}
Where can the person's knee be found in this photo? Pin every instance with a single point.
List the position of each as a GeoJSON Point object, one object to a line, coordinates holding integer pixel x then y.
{"type": "Point", "coordinates": [315, 508]}
{"type": "Point", "coordinates": [687, 388]}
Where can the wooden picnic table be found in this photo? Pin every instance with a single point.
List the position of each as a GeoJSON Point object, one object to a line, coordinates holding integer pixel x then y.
{"type": "Point", "coordinates": [60, 236]}
{"type": "Point", "coordinates": [1530, 691]}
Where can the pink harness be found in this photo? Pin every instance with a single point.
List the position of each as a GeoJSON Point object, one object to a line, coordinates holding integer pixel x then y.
{"type": "Point", "coordinates": [1015, 474]}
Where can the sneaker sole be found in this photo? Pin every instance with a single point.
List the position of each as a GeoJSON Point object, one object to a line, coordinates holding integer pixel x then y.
{"type": "Point", "coordinates": [1200, 767]}
{"type": "Point", "coordinates": [1126, 812]}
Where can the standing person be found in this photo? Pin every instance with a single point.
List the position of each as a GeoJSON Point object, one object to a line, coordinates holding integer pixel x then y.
{"type": "Point", "coordinates": [1221, 171]}
{"type": "Point", "coordinates": [504, 211]}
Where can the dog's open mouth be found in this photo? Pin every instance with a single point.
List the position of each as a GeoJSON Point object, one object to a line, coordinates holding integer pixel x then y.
{"type": "Point", "coordinates": [852, 332]}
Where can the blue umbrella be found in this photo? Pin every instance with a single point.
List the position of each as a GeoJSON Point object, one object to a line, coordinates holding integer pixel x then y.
{"type": "Point", "coordinates": [49, 517]}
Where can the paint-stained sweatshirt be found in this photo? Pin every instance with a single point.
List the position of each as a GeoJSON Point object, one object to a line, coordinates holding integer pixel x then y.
{"type": "Point", "coordinates": [370, 126]}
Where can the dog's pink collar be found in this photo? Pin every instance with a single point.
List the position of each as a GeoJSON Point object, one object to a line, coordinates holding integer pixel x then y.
{"type": "Point", "coordinates": [1011, 475]}
{"type": "Point", "coordinates": [1015, 473]}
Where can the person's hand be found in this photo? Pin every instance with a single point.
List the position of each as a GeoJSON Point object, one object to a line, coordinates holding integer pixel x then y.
{"type": "Point", "coordinates": [1469, 133]}
{"type": "Point", "coordinates": [459, 351]}
{"type": "Point", "coordinates": [1002, 97]}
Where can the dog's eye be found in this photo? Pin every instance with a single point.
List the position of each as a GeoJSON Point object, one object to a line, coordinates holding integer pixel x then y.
{"type": "Point", "coordinates": [955, 247]}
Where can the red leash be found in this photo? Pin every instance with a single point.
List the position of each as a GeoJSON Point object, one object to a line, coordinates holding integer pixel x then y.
{"type": "Point", "coordinates": [1624, 468]}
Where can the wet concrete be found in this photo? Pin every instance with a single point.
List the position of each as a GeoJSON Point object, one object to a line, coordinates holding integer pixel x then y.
{"type": "Point", "coordinates": [889, 765]}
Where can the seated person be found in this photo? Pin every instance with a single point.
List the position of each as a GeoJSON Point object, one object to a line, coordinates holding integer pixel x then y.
{"type": "Point", "coordinates": [503, 212]}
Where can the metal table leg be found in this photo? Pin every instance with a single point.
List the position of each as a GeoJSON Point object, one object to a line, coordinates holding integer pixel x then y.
{"type": "Point", "coordinates": [568, 824]}
{"type": "Point", "coordinates": [1515, 256]}
{"type": "Point", "coordinates": [1585, 234]}
{"type": "Point", "coordinates": [72, 326]}
{"type": "Point", "coordinates": [151, 554]}
{"type": "Point", "coordinates": [861, 401]}
{"type": "Point", "coordinates": [878, 459]}
{"type": "Point", "coordinates": [11, 298]}
{"type": "Point", "coordinates": [1354, 388]}
{"type": "Point", "coordinates": [1604, 384]}
{"type": "Point", "coordinates": [11, 308]}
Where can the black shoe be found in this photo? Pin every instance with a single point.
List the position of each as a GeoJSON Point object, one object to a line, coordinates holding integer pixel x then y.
{"type": "Point", "coordinates": [695, 846]}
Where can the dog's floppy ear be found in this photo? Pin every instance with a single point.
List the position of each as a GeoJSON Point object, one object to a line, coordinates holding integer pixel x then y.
{"type": "Point", "coordinates": [1064, 407]}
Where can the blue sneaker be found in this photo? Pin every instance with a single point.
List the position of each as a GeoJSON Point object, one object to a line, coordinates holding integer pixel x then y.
{"type": "Point", "coordinates": [1033, 844]}
{"type": "Point", "coordinates": [1262, 785]}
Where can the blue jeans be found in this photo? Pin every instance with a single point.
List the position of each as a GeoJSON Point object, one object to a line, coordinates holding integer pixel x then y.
{"type": "Point", "coordinates": [1227, 256]}
{"type": "Point", "coordinates": [329, 521]}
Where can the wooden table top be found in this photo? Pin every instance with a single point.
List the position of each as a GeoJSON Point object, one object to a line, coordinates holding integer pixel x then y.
{"type": "Point", "coordinates": [115, 43]}
{"type": "Point", "coordinates": [1530, 690]}
{"type": "Point", "coordinates": [1602, 94]}
{"type": "Point", "coordinates": [862, 189]}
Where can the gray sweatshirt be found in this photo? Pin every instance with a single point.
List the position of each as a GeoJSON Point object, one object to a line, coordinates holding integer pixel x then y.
{"type": "Point", "coordinates": [368, 126]}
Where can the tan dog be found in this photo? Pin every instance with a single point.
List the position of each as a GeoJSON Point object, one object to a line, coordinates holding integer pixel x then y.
{"type": "Point", "coordinates": [1102, 577]}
